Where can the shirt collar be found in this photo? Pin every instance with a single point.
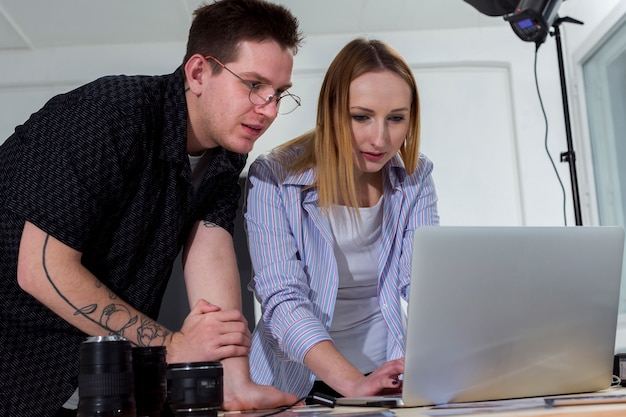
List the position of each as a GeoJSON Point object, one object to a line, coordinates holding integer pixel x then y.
{"type": "Point", "coordinates": [395, 171]}
{"type": "Point", "coordinates": [174, 118]}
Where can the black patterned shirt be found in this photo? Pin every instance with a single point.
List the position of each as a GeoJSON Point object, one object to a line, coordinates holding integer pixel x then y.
{"type": "Point", "coordinates": [104, 169]}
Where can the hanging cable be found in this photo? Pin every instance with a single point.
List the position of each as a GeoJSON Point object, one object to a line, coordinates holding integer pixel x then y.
{"type": "Point", "coordinates": [545, 118]}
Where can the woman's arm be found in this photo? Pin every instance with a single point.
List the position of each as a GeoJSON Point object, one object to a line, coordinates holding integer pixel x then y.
{"type": "Point", "coordinates": [335, 370]}
{"type": "Point", "coordinates": [276, 238]}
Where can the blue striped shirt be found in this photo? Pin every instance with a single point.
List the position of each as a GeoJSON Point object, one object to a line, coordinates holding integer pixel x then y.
{"type": "Point", "coordinates": [296, 279]}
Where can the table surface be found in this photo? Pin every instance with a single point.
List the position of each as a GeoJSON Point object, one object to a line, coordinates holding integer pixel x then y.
{"type": "Point", "coordinates": [529, 407]}
{"type": "Point", "coordinates": [607, 403]}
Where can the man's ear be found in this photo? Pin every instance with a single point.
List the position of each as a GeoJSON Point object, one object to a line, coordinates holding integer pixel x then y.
{"type": "Point", "coordinates": [196, 69]}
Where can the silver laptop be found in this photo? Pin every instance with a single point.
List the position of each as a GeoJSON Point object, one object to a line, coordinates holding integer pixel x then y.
{"type": "Point", "coordinates": [509, 312]}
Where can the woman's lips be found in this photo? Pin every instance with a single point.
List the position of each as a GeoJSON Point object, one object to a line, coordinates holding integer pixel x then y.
{"type": "Point", "coordinates": [373, 157]}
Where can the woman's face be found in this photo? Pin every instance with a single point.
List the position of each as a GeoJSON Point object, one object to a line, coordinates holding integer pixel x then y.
{"type": "Point", "coordinates": [380, 104]}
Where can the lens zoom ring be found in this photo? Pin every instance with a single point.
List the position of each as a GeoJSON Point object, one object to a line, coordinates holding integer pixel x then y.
{"type": "Point", "coordinates": [96, 385]}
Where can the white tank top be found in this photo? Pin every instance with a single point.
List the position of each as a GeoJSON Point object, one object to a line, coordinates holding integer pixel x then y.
{"type": "Point", "coordinates": [358, 328]}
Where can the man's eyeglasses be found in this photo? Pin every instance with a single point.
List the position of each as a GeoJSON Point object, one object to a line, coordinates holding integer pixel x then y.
{"type": "Point", "coordinates": [263, 94]}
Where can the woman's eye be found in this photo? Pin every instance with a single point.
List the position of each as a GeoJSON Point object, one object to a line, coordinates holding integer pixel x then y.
{"type": "Point", "coordinates": [360, 117]}
{"type": "Point", "coordinates": [397, 118]}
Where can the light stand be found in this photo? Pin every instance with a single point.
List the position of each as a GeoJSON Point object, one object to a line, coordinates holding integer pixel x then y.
{"type": "Point", "coordinates": [531, 21]}
{"type": "Point", "coordinates": [568, 156]}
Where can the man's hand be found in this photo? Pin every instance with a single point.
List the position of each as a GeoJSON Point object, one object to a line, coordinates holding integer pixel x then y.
{"type": "Point", "coordinates": [209, 334]}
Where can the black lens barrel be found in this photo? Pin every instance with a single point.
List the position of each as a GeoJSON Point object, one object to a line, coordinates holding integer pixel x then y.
{"type": "Point", "coordinates": [195, 389]}
{"type": "Point", "coordinates": [105, 383]}
{"type": "Point", "coordinates": [150, 371]}
{"type": "Point", "coordinates": [117, 380]}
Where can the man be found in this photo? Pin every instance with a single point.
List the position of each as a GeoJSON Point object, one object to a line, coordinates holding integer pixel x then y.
{"type": "Point", "coordinates": [101, 188]}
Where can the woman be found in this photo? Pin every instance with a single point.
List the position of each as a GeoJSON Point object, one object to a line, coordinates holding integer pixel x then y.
{"type": "Point", "coordinates": [330, 218]}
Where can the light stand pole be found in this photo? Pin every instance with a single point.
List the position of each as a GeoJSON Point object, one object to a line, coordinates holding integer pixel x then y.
{"type": "Point", "coordinates": [568, 156]}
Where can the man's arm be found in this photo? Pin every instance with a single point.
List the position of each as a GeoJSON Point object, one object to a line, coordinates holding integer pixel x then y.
{"type": "Point", "coordinates": [210, 267]}
{"type": "Point", "coordinates": [52, 273]}
{"type": "Point", "coordinates": [211, 273]}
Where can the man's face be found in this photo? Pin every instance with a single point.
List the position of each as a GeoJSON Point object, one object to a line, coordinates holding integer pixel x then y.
{"type": "Point", "coordinates": [220, 111]}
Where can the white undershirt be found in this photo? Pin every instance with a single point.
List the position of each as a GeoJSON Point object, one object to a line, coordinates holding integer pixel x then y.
{"type": "Point", "coordinates": [358, 328]}
{"type": "Point", "coordinates": [197, 170]}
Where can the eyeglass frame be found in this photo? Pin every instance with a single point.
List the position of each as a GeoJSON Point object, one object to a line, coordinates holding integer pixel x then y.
{"type": "Point", "coordinates": [252, 85]}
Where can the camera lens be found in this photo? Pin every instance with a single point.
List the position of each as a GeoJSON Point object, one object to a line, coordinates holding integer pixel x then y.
{"type": "Point", "coordinates": [150, 372]}
{"type": "Point", "coordinates": [105, 381]}
{"type": "Point", "coordinates": [195, 389]}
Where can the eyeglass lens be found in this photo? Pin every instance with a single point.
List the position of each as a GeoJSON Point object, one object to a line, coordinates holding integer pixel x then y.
{"type": "Point", "coordinates": [262, 94]}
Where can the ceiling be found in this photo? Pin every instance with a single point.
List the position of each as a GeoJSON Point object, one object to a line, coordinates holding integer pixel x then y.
{"type": "Point", "coordinates": [38, 24]}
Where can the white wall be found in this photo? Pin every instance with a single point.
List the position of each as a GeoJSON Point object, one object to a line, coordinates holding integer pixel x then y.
{"type": "Point", "coordinates": [29, 78]}
{"type": "Point", "coordinates": [592, 13]}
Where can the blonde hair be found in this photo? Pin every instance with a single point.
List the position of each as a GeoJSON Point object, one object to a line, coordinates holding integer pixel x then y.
{"type": "Point", "coordinates": [329, 146]}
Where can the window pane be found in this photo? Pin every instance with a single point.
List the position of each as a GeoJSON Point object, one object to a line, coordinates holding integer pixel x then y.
{"type": "Point", "coordinates": [605, 89]}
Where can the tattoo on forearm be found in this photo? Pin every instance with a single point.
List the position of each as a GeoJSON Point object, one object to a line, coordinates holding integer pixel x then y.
{"type": "Point", "coordinates": [150, 333]}
{"type": "Point", "coordinates": [116, 319]}
{"type": "Point", "coordinates": [99, 284]}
